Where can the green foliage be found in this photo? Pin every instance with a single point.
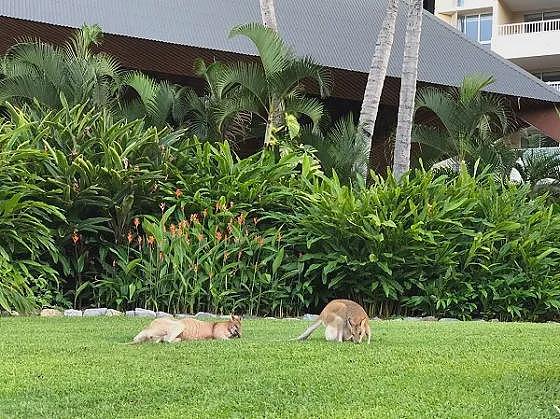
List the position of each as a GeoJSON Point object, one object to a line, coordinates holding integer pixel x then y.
{"type": "Point", "coordinates": [34, 70]}
{"type": "Point", "coordinates": [274, 88]}
{"type": "Point", "coordinates": [338, 148]}
{"type": "Point", "coordinates": [471, 126]}
{"type": "Point", "coordinates": [459, 247]}
{"type": "Point", "coordinates": [98, 172]}
{"type": "Point", "coordinates": [540, 168]}
{"type": "Point", "coordinates": [205, 174]}
{"type": "Point", "coordinates": [24, 225]}
{"type": "Point", "coordinates": [147, 213]}
{"type": "Point", "coordinates": [215, 260]}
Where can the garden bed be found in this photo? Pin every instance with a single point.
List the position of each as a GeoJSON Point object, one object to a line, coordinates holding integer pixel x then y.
{"type": "Point", "coordinates": [82, 367]}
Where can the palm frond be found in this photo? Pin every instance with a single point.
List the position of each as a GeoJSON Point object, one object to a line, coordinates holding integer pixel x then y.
{"type": "Point", "coordinates": [298, 71]}
{"type": "Point", "coordinates": [274, 54]}
{"type": "Point", "coordinates": [310, 107]}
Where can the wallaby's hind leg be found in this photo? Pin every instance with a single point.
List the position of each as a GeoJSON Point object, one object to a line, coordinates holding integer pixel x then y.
{"type": "Point", "coordinates": [148, 335]}
{"type": "Point", "coordinates": [173, 332]}
{"type": "Point", "coordinates": [331, 333]}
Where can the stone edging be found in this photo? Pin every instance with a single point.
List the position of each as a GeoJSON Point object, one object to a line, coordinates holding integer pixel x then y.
{"type": "Point", "coordinates": [141, 312]}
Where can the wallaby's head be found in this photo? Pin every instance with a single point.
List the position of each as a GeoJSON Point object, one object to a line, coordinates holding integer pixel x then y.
{"type": "Point", "coordinates": [358, 330]}
{"type": "Point", "coordinates": [234, 326]}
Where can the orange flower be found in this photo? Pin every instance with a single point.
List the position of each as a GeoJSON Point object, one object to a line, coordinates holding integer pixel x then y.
{"type": "Point", "coordinates": [75, 237]}
{"type": "Point", "coordinates": [241, 219]}
{"type": "Point", "coordinates": [129, 237]}
{"type": "Point", "coordinates": [178, 193]}
{"type": "Point", "coordinates": [194, 218]}
{"type": "Point", "coordinates": [259, 240]}
{"type": "Point", "coordinates": [136, 222]}
{"type": "Point", "coordinates": [200, 237]}
{"type": "Point", "coordinates": [151, 240]}
{"type": "Point", "coordinates": [218, 235]}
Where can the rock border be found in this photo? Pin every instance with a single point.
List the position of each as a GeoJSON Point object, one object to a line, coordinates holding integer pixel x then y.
{"type": "Point", "coordinates": [142, 312]}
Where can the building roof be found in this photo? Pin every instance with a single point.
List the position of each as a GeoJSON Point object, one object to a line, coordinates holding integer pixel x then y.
{"type": "Point", "coordinates": [338, 33]}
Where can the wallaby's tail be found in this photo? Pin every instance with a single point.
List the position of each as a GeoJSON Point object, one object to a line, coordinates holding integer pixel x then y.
{"type": "Point", "coordinates": [310, 329]}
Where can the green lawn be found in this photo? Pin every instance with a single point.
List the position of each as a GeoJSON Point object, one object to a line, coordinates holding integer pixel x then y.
{"type": "Point", "coordinates": [71, 368]}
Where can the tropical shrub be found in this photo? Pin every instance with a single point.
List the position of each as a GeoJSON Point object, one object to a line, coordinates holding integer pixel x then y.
{"type": "Point", "coordinates": [463, 247]}
{"type": "Point", "coordinates": [215, 260]}
{"type": "Point", "coordinates": [98, 211]}
{"type": "Point", "coordinates": [99, 172]}
{"type": "Point", "coordinates": [27, 248]}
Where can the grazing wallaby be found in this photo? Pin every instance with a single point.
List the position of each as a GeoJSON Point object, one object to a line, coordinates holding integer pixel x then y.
{"type": "Point", "coordinates": [175, 330]}
{"type": "Point", "coordinates": [344, 320]}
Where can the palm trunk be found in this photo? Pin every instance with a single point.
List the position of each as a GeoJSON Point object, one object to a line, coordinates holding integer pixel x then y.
{"type": "Point", "coordinates": [376, 78]}
{"type": "Point", "coordinates": [401, 156]}
{"type": "Point", "coordinates": [268, 14]}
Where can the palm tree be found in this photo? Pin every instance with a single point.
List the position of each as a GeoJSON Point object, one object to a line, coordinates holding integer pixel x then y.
{"type": "Point", "coordinates": [376, 78]}
{"type": "Point", "coordinates": [213, 116]}
{"type": "Point", "coordinates": [272, 89]}
{"type": "Point", "coordinates": [540, 168]}
{"type": "Point", "coordinates": [338, 148]}
{"type": "Point", "coordinates": [469, 126]}
{"type": "Point", "coordinates": [72, 73]}
{"type": "Point", "coordinates": [401, 156]}
{"type": "Point", "coordinates": [268, 14]}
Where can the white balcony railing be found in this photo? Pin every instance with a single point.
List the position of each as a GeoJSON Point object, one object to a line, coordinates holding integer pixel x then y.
{"type": "Point", "coordinates": [529, 27]}
{"type": "Point", "coordinates": [555, 84]}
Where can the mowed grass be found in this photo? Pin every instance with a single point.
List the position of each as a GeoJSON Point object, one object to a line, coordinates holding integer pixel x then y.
{"type": "Point", "coordinates": [71, 368]}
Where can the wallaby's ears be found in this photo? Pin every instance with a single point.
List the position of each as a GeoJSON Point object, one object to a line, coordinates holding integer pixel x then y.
{"type": "Point", "coordinates": [234, 317]}
{"type": "Point", "coordinates": [364, 321]}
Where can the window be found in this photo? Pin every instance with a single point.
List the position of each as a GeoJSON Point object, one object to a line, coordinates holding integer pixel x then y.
{"type": "Point", "coordinates": [542, 16]}
{"type": "Point", "coordinates": [541, 22]}
{"type": "Point", "coordinates": [477, 27]}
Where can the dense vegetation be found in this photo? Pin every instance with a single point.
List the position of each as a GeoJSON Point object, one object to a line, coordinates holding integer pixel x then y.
{"type": "Point", "coordinates": [106, 201]}
{"type": "Point", "coordinates": [124, 215]}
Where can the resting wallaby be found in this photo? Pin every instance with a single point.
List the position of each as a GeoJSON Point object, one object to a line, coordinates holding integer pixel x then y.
{"type": "Point", "coordinates": [344, 320]}
{"type": "Point", "coordinates": [173, 330]}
